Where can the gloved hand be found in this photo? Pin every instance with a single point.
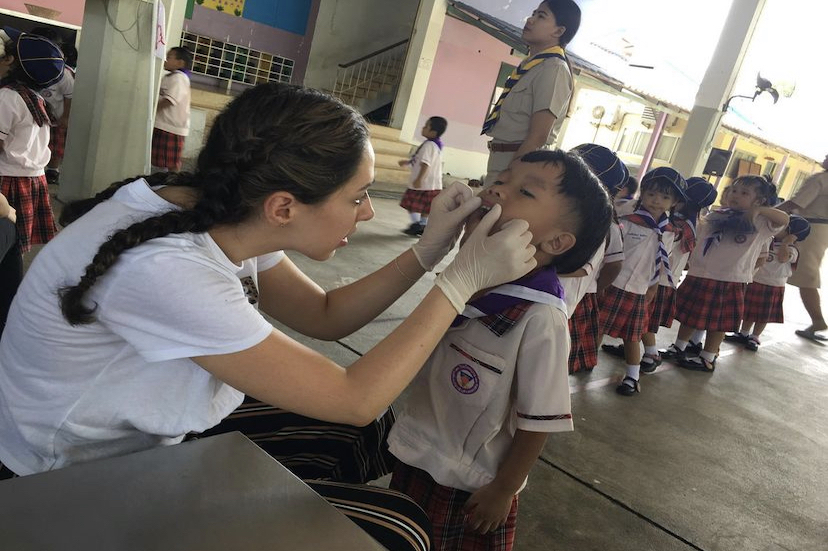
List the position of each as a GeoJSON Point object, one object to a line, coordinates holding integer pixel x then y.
{"type": "Point", "coordinates": [488, 260]}
{"type": "Point", "coordinates": [448, 212]}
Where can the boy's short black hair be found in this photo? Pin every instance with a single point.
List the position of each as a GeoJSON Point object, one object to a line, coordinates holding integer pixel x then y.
{"type": "Point", "coordinates": [438, 124]}
{"type": "Point", "coordinates": [567, 14]}
{"type": "Point", "coordinates": [589, 200]}
{"type": "Point", "coordinates": [183, 54]}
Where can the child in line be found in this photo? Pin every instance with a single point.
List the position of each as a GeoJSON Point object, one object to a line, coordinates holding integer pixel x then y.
{"type": "Point", "coordinates": [729, 243]}
{"type": "Point", "coordinates": [478, 413]}
{"type": "Point", "coordinates": [426, 179]}
{"type": "Point", "coordinates": [648, 238]}
{"type": "Point", "coordinates": [59, 98]}
{"type": "Point", "coordinates": [581, 288]}
{"type": "Point", "coordinates": [662, 310]}
{"type": "Point", "coordinates": [172, 115]}
{"type": "Point", "coordinates": [763, 297]}
{"type": "Point", "coordinates": [28, 63]}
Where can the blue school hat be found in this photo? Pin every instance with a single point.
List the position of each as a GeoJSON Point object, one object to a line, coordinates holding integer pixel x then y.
{"type": "Point", "coordinates": [700, 193]}
{"type": "Point", "coordinates": [40, 58]}
{"type": "Point", "coordinates": [799, 227]}
{"type": "Point", "coordinates": [665, 174]}
{"type": "Point", "coordinates": [605, 164]}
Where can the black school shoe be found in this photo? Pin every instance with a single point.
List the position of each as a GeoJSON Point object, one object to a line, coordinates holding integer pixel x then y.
{"type": "Point", "coordinates": [736, 337]}
{"type": "Point", "coordinates": [673, 353]}
{"type": "Point", "coordinates": [649, 367]}
{"type": "Point", "coordinates": [697, 363]}
{"type": "Point", "coordinates": [616, 350]}
{"type": "Point", "coordinates": [693, 348]}
{"type": "Point", "coordinates": [414, 229]}
{"type": "Point", "coordinates": [626, 390]}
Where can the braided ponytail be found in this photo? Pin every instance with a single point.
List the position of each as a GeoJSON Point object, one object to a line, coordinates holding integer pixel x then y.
{"type": "Point", "coordinates": [71, 297]}
{"type": "Point", "coordinates": [76, 209]}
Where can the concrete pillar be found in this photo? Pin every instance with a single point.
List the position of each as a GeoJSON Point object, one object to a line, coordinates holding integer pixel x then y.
{"type": "Point", "coordinates": [428, 26]}
{"type": "Point", "coordinates": [113, 102]}
{"type": "Point", "coordinates": [716, 86]}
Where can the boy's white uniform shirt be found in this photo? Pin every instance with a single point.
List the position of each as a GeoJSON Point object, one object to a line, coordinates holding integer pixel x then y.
{"type": "Point", "coordinates": [640, 251]}
{"type": "Point", "coordinates": [125, 382]}
{"type": "Point", "coordinates": [175, 119]}
{"type": "Point", "coordinates": [57, 93]}
{"type": "Point", "coordinates": [614, 253]}
{"type": "Point", "coordinates": [476, 389]}
{"type": "Point", "coordinates": [431, 156]}
{"type": "Point", "coordinates": [733, 258]}
{"type": "Point", "coordinates": [25, 144]}
{"type": "Point", "coordinates": [773, 272]}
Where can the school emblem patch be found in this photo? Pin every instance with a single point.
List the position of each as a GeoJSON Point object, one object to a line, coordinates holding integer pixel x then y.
{"type": "Point", "coordinates": [740, 238]}
{"type": "Point", "coordinates": [465, 379]}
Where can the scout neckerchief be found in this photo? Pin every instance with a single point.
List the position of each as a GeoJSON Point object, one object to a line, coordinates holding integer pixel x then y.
{"type": "Point", "coordinates": [502, 307]}
{"type": "Point", "coordinates": [436, 141]}
{"type": "Point", "coordinates": [642, 217]}
{"type": "Point", "coordinates": [33, 101]}
{"type": "Point", "coordinates": [520, 70]}
{"type": "Point", "coordinates": [723, 221]}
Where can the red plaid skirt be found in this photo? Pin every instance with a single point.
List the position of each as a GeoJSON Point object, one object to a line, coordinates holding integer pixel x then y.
{"type": "Point", "coordinates": [583, 330]}
{"type": "Point", "coordinates": [444, 507]}
{"type": "Point", "coordinates": [57, 141]}
{"type": "Point", "coordinates": [623, 314]}
{"type": "Point", "coordinates": [415, 200]}
{"type": "Point", "coordinates": [763, 303]}
{"type": "Point", "coordinates": [166, 149]}
{"type": "Point", "coordinates": [29, 195]}
{"type": "Point", "coordinates": [662, 310]}
{"type": "Point", "coordinates": [710, 304]}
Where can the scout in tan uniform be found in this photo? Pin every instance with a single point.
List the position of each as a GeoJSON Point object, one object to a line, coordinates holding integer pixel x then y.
{"type": "Point", "coordinates": [531, 110]}
{"type": "Point", "coordinates": [811, 202]}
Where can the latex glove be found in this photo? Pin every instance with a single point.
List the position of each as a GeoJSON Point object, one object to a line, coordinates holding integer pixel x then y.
{"type": "Point", "coordinates": [448, 212]}
{"type": "Point", "coordinates": [488, 260]}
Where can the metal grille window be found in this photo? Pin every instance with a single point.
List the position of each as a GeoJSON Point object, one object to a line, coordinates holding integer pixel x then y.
{"type": "Point", "coordinates": [636, 144]}
{"type": "Point", "coordinates": [235, 63]}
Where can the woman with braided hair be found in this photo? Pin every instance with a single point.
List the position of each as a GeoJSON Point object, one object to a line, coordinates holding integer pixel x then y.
{"type": "Point", "coordinates": [134, 327]}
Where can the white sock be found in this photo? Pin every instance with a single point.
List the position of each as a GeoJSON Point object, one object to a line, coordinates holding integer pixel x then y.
{"type": "Point", "coordinates": [415, 217]}
{"type": "Point", "coordinates": [680, 344]}
{"type": "Point", "coordinates": [744, 333]}
{"type": "Point", "coordinates": [653, 350]}
{"type": "Point", "coordinates": [632, 372]}
{"type": "Point", "coordinates": [709, 356]}
{"type": "Point", "coordinates": [697, 336]}
{"type": "Point", "coordinates": [424, 220]}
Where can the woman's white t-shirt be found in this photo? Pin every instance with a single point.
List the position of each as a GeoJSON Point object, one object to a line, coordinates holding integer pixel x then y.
{"type": "Point", "coordinates": [125, 382]}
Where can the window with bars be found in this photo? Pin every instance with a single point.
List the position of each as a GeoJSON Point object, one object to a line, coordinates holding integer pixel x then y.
{"type": "Point", "coordinates": [223, 60]}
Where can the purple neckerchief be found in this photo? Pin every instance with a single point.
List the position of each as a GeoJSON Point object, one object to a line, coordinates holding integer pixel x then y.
{"type": "Point", "coordinates": [437, 141]}
{"type": "Point", "coordinates": [187, 72]}
{"type": "Point", "coordinates": [503, 306]}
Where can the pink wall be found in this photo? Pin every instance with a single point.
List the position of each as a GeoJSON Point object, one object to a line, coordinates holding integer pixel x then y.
{"type": "Point", "coordinates": [71, 11]}
{"type": "Point", "coordinates": [462, 81]}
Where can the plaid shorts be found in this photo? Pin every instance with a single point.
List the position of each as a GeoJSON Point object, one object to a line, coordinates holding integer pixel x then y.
{"type": "Point", "coordinates": [583, 330]}
{"type": "Point", "coordinates": [662, 310]}
{"type": "Point", "coordinates": [57, 141]}
{"type": "Point", "coordinates": [710, 304]}
{"type": "Point", "coordinates": [623, 314]}
{"type": "Point", "coordinates": [444, 507]}
{"type": "Point", "coordinates": [313, 449]}
{"type": "Point", "coordinates": [166, 149]}
{"type": "Point", "coordinates": [763, 303]}
{"type": "Point", "coordinates": [415, 200]}
{"type": "Point", "coordinates": [29, 195]}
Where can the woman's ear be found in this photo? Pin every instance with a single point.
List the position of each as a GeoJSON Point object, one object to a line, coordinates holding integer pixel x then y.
{"type": "Point", "coordinates": [558, 244]}
{"type": "Point", "coordinates": [280, 208]}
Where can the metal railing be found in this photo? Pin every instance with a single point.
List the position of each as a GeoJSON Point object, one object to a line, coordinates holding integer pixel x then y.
{"type": "Point", "coordinates": [375, 71]}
